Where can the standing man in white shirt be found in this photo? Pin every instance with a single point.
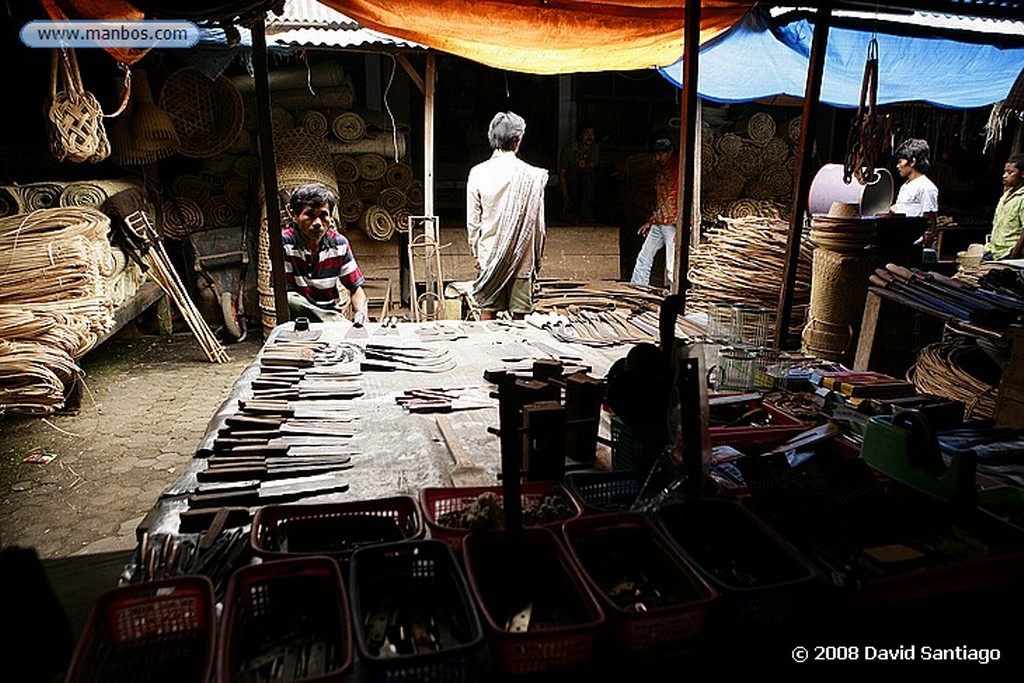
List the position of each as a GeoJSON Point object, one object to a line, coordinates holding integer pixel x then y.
{"type": "Point", "coordinates": [505, 222]}
{"type": "Point", "coordinates": [918, 196]}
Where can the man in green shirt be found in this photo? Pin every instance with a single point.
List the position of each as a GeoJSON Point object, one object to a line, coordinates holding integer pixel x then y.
{"type": "Point", "coordinates": [1007, 238]}
{"type": "Point", "coordinates": [576, 165]}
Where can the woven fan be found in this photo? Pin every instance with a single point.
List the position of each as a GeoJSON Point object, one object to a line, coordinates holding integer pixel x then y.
{"type": "Point", "coordinates": [154, 129]}
{"type": "Point", "coordinates": [207, 114]}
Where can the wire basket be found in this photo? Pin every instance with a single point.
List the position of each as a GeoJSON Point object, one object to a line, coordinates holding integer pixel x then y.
{"type": "Point", "coordinates": [436, 503]}
{"type": "Point", "coordinates": [537, 610]}
{"type": "Point", "coordinates": [415, 617]}
{"type": "Point", "coordinates": [149, 633]}
{"type": "Point", "coordinates": [334, 529]}
{"type": "Point", "coordinates": [289, 613]}
{"type": "Point", "coordinates": [650, 594]}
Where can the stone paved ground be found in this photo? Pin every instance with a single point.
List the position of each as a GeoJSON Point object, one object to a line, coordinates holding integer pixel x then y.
{"type": "Point", "coordinates": [146, 407]}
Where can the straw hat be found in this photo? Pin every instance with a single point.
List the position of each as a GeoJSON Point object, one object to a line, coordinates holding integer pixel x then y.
{"type": "Point", "coordinates": [843, 210]}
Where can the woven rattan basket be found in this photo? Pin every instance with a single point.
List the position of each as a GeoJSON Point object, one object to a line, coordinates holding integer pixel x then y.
{"type": "Point", "coordinates": [303, 158]}
{"type": "Point", "coordinates": [825, 340]}
{"type": "Point", "coordinates": [839, 286]}
{"type": "Point", "coordinates": [208, 115]}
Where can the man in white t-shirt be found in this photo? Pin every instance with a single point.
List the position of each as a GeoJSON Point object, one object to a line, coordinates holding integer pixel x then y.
{"type": "Point", "coordinates": [918, 196]}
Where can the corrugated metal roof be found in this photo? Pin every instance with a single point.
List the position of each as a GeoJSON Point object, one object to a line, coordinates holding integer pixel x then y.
{"type": "Point", "coordinates": [1006, 27]}
{"type": "Point", "coordinates": [309, 13]}
{"type": "Point", "coordinates": [333, 38]}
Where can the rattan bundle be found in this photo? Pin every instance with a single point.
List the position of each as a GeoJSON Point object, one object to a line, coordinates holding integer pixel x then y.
{"type": "Point", "coordinates": [38, 195]}
{"type": "Point", "coordinates": [742, 260]}
{"type": "Point", "coordinates": [391, 199]}
{"type": "Point", "coordinates": [367, 189]}
{"type": "Point", "coordinates": [346, 169]}
{"type": "Point", "coordinates": [219, 213]}
{"type": "Point", "coordinates": [378, 223]}
{"type": "Point", "coordinates": [348, 126]}
{"type": "Point", "coordinates": [45, 226]}
{"type": "Point", "coordinates": [351, 209]}
{"type": "Point", "coordinates": [207, 114]}
{"type": "Point", "coordinates": [92, 192]}
{"type": "Point", "coordinates": [180, 216]}
{"type": "Point", "coordinates": [399, 174]}
{"type": "Point", "coordinates": [191, 186]}
{"type": "Point", "coordinates": [32, 378]}
{"type": "Point", "coordinates": [760, 128]}
{"type": "Point", "coordinates": [371, 166]}
{"type": "Point", "coordinates": [955, 369]}
{"type": "Point", "coordinates": [314, 122]}
{"type": "Point", "coordinates": [303, 158]}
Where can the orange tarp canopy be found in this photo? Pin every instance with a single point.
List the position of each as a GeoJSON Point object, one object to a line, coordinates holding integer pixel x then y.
{"type": "Point", "coordinates": [99, 10]}
{"type": "Point", "coordinates": [546, 36]}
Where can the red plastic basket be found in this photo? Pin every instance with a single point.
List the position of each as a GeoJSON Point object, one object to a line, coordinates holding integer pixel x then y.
{"type": "Point", "coordinates": [506, 576]}
{"type": "Point", "coordinates": [783, 426]}
{"type": "Point", "coordinates": [290, 613]}
{"type": "Point", "coordinates": [611, 549]}
{"type": "Point", "coordinates": [437, 502]}
{"type": "Point", "coordinates": [155, 632]}
{"type": "Point", "coordinates": [334, 529]}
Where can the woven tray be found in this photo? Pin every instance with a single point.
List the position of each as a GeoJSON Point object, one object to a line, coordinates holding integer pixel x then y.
{"type": "Point", "coordinates": [208, 115]}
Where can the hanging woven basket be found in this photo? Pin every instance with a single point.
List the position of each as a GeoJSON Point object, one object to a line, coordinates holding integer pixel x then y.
{"type": "Point", "coordinates": [76, 119]}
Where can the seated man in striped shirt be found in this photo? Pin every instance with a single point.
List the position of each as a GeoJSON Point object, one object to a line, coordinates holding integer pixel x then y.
{"type": "Point", "coordinates": [317, 258]}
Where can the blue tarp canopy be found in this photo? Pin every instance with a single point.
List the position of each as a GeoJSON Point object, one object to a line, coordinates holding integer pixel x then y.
{"type": "Point", "coordinates": [756, 59]}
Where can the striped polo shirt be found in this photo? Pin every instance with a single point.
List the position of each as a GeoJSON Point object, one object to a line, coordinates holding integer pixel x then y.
{"type": "Point", "coordinates": [315, 275]}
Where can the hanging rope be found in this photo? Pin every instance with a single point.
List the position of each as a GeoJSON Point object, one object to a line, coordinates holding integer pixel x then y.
{"type": "Point", "coordinates": [866, 141]}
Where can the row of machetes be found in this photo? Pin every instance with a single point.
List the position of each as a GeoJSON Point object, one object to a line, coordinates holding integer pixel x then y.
{"type": "Point", "coordinates": [292, 438]}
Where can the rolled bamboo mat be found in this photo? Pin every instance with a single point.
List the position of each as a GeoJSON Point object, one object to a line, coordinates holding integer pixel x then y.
{"type": "Point", "coordinates": [367, 189]}
{"type": "Point", "coordinates": [241, 144]}
{"type": "Point", "coordinates": [386, 144]}
{"type": "Point", "coordinates": [346, 169]}
{"type": "Point", "coordinates": [10, 203]}
{"type": "Point", "coordinates": [314, 122]}
{"type": "Point", "coordinates": [93, 192]}
{"type": "Point", "coordinates": [391, 199]}
{"type": "Point", "coordinates": [729, 144]}
{"type": "Point", "coordinates": [748, 161]}
{"type": "Point", "coordinates": [415, 195]}
{"type": "Point", "coordinates": [179, 216]}
{"type": "Point", "coordinates": [219, 165]}
{"type": "Point", "coordinates": [246, 167]}
{"type": "Point", "coordinates": [378, 223]}
{"type": "Point", "coordinates": [191, 186]}
{"type": "Point", "coordinates": [779, 182]}
{"type": "Point", "coordinates": [756, 190]}
{"type": "Point", "coordinates": [775, 152]}
{"type": "Point", "coordinates": [341, 97]}
{"type": "Point", "coordinates": [371, 166]}
{"type": "Point", "coordinates": [236, 192]}
{"type": "Point", "coordinates": [219, 213]}
{"type": "Point", "coordinates": [708, 156]}
{"type": "Point", "coordinates": [760, 128]}
{"type": "Point", "coordinates": [742, 260]}
{"type": "Point", "coordinates": [725, 185]}
{"type": "Point", "coordinates": [281, 120]}
{"type": "Point", "coordinates": [34, 196]}
{"type": "Point", "coordinates": [793, 129]}
{"type": "Point", "coordinates": [351, 209]}
{"type": "Point", "coordinates": [752, 208]}
{"type": "Point", "coordinates": [401, 218]}
{"type": "Point", "coordinates": [956, 370]}
{"type": "Point", "coordinates": [346, 190]}
{"type": "Point", "coordinates": [348, 126]}
{"type": "Point", "coordinates": [399, 174]}
{"type": "Point", "coordinates": [315, 75]}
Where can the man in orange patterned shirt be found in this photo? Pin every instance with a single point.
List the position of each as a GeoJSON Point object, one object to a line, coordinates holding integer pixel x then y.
{"type": "Point", "coordinates": [660, 228]}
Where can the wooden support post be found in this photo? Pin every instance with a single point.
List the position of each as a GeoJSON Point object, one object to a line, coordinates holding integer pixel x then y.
{"type": "Point", "coordinates": [583, 397]}
{"type": "Point", "coordinates": [544, 441]}
{"type": "Point", "coordinates": [868, 329]}
{"type": "Point", "coordinates": [689, 139]}
{"type": "Point", "coordinates": [509, 418]}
